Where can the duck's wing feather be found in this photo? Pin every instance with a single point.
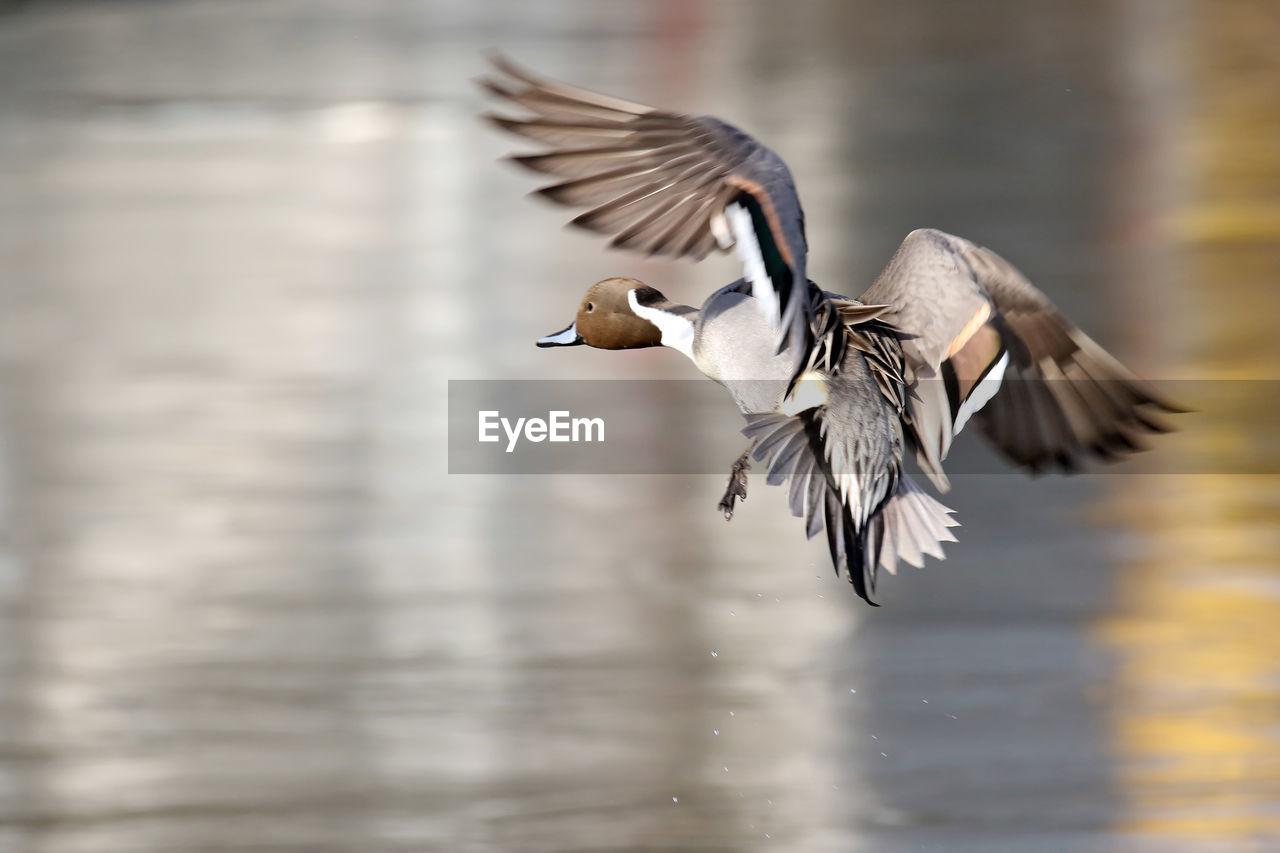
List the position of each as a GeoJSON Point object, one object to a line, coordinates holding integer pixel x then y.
{"type": "Point", "coordinates": [903, 522]}
{"type": "Point", "coordinates": [842, 463]}
{"type": "Point", "coordinates": [984, 342]}
{"type": "Point", "coordinates": [666, 183]}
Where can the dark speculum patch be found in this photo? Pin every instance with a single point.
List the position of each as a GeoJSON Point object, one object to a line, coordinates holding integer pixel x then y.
{"type": "Point", "coordinates": [774, 264]}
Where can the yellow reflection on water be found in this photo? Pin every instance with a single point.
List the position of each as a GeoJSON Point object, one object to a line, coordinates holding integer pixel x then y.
{"type": "Point", "coordinates": [1197, 638]}
{"type": "Point", "coordinates": [1195, 700]}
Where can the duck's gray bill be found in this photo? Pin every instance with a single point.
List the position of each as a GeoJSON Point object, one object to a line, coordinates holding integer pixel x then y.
{"type": "Point", "coordinates": [568, 338]}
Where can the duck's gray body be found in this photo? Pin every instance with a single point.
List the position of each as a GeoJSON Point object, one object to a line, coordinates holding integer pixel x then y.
{"type": "Point", "coordinates": [733, 343]}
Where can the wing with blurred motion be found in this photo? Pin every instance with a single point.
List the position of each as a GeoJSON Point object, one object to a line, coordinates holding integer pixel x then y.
{"type": "Point", "coordinates": [986, 344]}
{"type": "Point", "coordinates": [665, 183]}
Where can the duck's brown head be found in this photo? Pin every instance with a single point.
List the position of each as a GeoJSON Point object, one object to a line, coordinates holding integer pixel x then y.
{"type": "Point", "coordinates": [607, 318]}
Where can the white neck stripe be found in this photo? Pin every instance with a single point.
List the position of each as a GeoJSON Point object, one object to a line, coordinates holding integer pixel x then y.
{"type": "Point", "coordinates": [677, 330]}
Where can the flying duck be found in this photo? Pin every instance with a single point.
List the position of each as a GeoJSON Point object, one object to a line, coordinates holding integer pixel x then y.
{"type": "Point", "coordinates": [834, 390]}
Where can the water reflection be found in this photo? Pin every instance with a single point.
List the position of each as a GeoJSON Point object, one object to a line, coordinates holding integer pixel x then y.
{"type": "Point", "coordinates": [1194, 632]}
{"type": "Point", "coordinates": [242, 604]}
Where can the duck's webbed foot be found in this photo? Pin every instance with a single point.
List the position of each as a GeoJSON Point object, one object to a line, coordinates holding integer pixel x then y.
{"type": "Point", "coordinates": [737, 488]}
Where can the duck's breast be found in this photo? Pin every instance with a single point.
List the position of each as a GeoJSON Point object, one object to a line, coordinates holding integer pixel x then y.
{"type": "Point", "coordinates": [734, 345]}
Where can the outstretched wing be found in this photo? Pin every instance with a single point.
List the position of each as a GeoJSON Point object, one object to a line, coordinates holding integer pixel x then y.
{"type": "Point", "coordinates": [665, 183]}
{"type": "Point", "coordinates": [986, 343]}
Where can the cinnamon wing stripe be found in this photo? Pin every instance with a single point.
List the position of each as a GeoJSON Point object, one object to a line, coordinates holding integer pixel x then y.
{"type": "Point", "coordinates": [769, 214]}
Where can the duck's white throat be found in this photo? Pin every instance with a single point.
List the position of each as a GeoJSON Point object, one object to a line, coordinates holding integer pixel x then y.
{"type": "Point", "coordinates": [676, 329]}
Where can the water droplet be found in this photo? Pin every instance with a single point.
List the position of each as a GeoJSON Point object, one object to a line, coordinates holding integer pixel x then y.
{"type": "Point", "coordinates": [953, 716]}
{"type": "Point", "coordinates": [925, 701]}
{"type": "Point", "coordinates": [730, 713]}
{"type": "Point", "coordinates": [731, 613]}
{"type": "Point", "coordinates": [726, 770]}
{"type": "Point", "coordinates": [873, 737]}
{"type": "Point", "coordinates": [715, 731]}
{"type": "Point", "coordinates": [884, 755]}
{"type": "Point", "coordinates": [767, 835]}
{"type": "Point", "coordinates": [853, 690]}
{"type": "Point", "coordinates": [715, 654]}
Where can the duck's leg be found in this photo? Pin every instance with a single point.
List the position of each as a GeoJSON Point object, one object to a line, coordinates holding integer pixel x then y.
{"type": "Point", "coordinates": [737, 488]}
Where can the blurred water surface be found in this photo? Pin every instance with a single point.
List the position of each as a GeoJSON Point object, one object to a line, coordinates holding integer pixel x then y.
{"type": "Point", "coordinates": [244, 247]}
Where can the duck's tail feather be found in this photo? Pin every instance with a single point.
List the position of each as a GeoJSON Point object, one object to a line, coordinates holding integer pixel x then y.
{"type": "Point", "coordinates": [907, 525]}
{"type": "Point", "coordinates": [910, 525]}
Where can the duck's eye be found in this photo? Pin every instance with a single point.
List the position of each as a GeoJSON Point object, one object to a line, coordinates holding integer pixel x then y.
{"type": "Point", "coordinates": [591, 306]}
